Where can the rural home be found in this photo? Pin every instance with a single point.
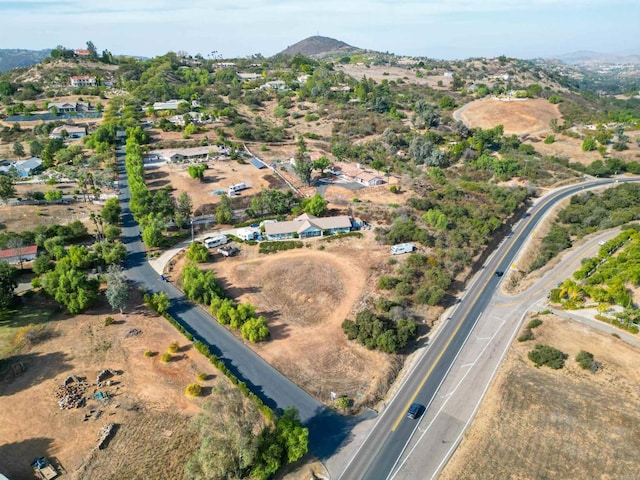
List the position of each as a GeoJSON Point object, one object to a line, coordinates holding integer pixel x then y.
{"type": "Point", "coordinates": [23, 168]}
{"type": "Point", "coordinates": [248, 77]}
{"type": "Point", "coordinates": [183, 154]}
{"type": "Point", "coordinates": [73, 131]}
{"type": "Point", "coordinates": [173, 104]}
{"type": "Point", "coordinates": [82, 52]}
{"type": "Point", "coordinates": [355, 173]}
{"type": "Point", "coordinates": [196, 118]}
{"type": "Point", "coordinates": [306, 226]}
{"type": "Point", "coordinates": [277, 85]}
{"type": "Point", "coordinates": [14, 256]}
{"type": "Point", "coordinates": [83, 81]}
{"type": "Point", "coordinates": [69, 107]}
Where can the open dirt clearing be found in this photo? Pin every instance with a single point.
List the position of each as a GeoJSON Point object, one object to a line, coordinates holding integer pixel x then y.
{"type": "Point", "coordinates": [569, 423]}
{"type": "Point", "coordinates": [146, 400]}
{"type": "Point", "coordinates": [564, 147]}
{"type": "Point", "coordinates": [219, 175]}
{"type": "Point", "coordinates": [389, 73]}
{"type": "Point", "coordinates": [517, 116]}
{"type": "Point", "coordinates": [27, 217]}
{"type": "Point", "coordinates": [305, 294]}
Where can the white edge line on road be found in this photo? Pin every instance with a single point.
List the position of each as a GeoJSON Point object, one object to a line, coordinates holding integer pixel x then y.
{"type": "Point", "coordinates": [448, 396]}
{"type": "Point", "coordinates": [446, 374]}
{"type": "Point", "coordinates": [456, 442]}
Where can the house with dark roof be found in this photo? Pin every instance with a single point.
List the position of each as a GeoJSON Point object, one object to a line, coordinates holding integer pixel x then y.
{"type": "Point", "coordinates": [307, 226]}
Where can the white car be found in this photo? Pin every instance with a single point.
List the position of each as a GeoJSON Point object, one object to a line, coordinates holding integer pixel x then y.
{"type": "Point", "coordinates": [601, 242]}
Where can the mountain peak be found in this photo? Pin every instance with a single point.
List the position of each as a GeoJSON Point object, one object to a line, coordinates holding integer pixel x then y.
{"type": "Point", "coordinates": [315, 45]}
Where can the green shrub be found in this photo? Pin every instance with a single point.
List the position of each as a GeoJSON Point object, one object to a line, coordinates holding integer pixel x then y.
{"type": "Point", "coordinates": [534, 323]}
{"type": "Point", "coordinates": [108, 321]}
{"type": "Point", "coordinates": [149, 353]}
{"type": "Point", "coordinates": [343, 403]}
{"type": "Point", "coordinates": [166, 357]}
{"type": "Point", "coordinates": [174, 347]}
{"type": "Point", "coordinates": [193, 390]}
{"type": "Point", "coordinates": [272, 247]}
{"type": "Point", "coordinates": [550, 139]}
{"type": "Point", "coordinates": [255, 330]}
{"type": "Point", "coordinates": [587, 361]}
{"type": "Point", "coordinates": [202, 376]}
{"type": "Point", "coordinates": [546, 355]}
{"type": "Point", "coordinates": [526, 335]}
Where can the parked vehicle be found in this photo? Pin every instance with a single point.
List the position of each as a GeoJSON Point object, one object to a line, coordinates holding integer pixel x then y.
{"type": "Point", "coordinates": [401, 248]}
{"type": "Point", "coordinates": [228, 250]}
{"type": "Point", "coordinates": [43, 469]}
{"type": "Point", "coordinates": [237, 187]}
{"type": "Point", "coordinates": [212, 242]}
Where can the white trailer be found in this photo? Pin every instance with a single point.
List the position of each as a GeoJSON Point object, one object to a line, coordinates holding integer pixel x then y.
{"type": "Point", "coordinates": [247, 233]}
{"type": "Point", "coordinates": [237, 187]}
{"type": "Point", "coordinates": [401, 248]}
{"type": "Point", "coordinates": [212, 242]}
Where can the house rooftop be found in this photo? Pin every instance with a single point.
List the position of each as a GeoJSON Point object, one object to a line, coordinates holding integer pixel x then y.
{"type": "Point", "coordinates": [17, 252]}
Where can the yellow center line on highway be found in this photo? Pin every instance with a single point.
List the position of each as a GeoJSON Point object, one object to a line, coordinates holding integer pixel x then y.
{"type": "Point", "coordinates": [444, 349]}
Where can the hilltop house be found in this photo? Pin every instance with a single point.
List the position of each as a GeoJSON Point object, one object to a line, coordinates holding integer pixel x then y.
{"type": "Point", "coordinates": [14, 256]}
{"type": "Point", "coordinates": [307, 226]}
{"type": "Point", "coordinates": [83, 81]}
{"type": "Point", "coordinates": [355, 173]}
{"type": "Point", "coordinates": [72, 131]}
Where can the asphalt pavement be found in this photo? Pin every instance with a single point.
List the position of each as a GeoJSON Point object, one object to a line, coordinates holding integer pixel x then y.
{"type": "Point", "coordinates": [327, 430]}
{"type": "Point", "coordinates": [387, 451]}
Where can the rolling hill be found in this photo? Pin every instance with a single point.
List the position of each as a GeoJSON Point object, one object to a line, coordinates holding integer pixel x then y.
{"type": "Point", "coordinates": [13, 57]}
{"type": "Point", "coordinates": [316, 45]}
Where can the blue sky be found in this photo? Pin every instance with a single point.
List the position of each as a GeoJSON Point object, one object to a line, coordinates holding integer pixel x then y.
{"type": "Point", "coordinates": [238, 28]}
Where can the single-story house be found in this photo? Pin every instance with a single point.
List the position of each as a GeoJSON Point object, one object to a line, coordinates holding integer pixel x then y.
{"type": "Point", "coordinates": [356, 173]}
{"type": "Point", "coordinates": [307, 226]}
{"type": "Point", "coordinates": [277, 85]}
{"type": "Point", "coordinates": [183, 154]}
{"type": "Point", "coordinates": [23, 168]}
{"type": "Point", "coordinates": [69, 107]}
{"type": "Point", "coordinates": [196, 117]}
{"type": "Point", "coordinates": [73, 131]}
{"type": "Point", "coordinates": [14, 256]}
{"type": "Point", "coordinates": [248, 77]}
{"type": "Point", "coordinates": [83, 81]}
{"type": "Point", "coordinates": [173, 104]}
{"type": "Point", "coordinates": [82, 52]}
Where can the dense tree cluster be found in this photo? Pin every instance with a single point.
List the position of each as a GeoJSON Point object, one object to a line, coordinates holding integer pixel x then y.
{"type": "Point", "coordinates": [379, 332]}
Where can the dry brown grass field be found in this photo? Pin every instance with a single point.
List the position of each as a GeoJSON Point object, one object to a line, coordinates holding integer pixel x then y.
{"type": "Point", "coordinates": [563, 424]}
{"type": "Point", "coordinates": [147, 399]}
{"type": "Point", "coordinates": [517, 116]}
{"type": "Point", "coordinates": [305, 294]}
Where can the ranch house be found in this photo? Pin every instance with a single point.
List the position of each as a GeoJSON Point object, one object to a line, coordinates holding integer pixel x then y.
{"type": "Point", "coordinates": [307, 226]}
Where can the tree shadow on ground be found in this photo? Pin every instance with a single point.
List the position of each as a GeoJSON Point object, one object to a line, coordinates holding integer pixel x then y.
{"type": "Point", "coordinates": [19, 372]}
{"type": "Point", "coordinates": [16, 458]}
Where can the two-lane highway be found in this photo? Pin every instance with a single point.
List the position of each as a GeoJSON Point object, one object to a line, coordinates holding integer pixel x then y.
{"type": "Point", "coordinates": [380, 452]}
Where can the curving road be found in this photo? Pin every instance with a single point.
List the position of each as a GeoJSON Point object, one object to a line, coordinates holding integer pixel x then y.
{"type": "Point", "coordinates": [326, 429]}
{"type": "Point", "coordinates": [384, 453]}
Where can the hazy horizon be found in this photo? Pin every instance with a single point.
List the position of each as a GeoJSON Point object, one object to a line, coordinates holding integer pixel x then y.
{"type": "Point", "coordinates": [453, 29]}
